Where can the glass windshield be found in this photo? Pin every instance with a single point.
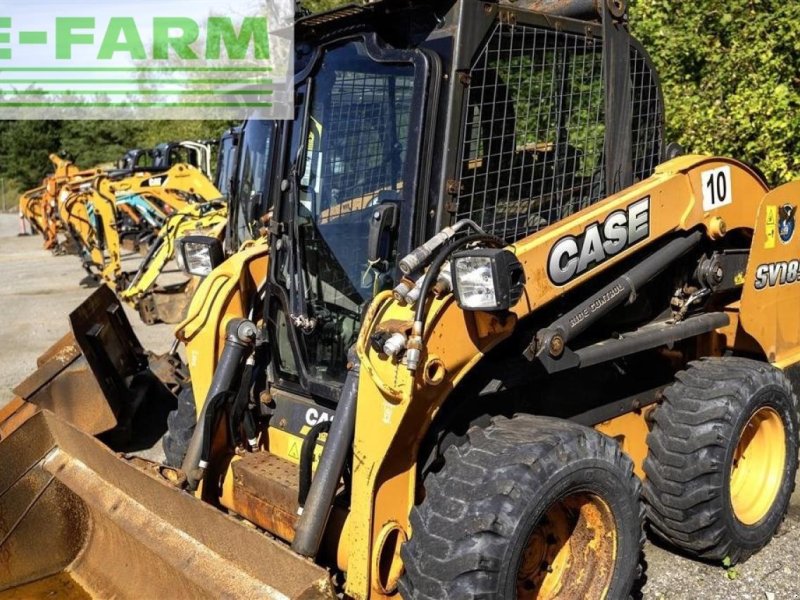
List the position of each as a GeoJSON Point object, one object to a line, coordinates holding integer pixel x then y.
{"type": "Point", "coordinates": [227, 161]}
{"type": "Point", "coordinates": [252, 196]}
{"type": "Point", "coordinates": [359, 122]}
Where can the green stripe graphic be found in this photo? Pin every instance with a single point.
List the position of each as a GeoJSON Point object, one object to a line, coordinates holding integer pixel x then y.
{"type": "Point", "coordinates": [243, 80]}
{"type": "Point", "coordinates": [134, 69]}
{"type": "Point", "coordinates": [137, 92]}
{"type": "Point", "coordinates": [135, 105]}
{"type": "Point", "coordinates": [32, 37]}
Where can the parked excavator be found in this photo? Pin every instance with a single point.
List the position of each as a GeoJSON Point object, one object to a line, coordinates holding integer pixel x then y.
{"type": "Point", "coordinates": [244, 173]}
{"type": "Point", "coordinates": [491, 330]}
{"type": "Point", "coordinates": [146, 208]}
{"type": "Point", "coordinates": [39, 206]}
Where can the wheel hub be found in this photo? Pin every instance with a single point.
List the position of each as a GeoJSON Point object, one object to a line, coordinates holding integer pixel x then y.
{"type": "Point", "coordinates": [758, 464]}
{"type": "Point", "coordinates": [571, 551]}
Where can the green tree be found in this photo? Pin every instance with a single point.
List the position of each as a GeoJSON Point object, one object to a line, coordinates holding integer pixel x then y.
{"type": "Point", "coordinates": [24, 150]}
{"type": "Point", "coordinates": [731, 77]}
{"type": "Point", "coordinates": [316, 6]}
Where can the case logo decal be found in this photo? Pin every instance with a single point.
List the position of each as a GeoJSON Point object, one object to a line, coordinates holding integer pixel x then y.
{"type": "Point", "coordinates": [572, 256]}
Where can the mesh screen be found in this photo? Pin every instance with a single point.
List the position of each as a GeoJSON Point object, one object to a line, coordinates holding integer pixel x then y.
{"type": "Point", "coordinates": [534, 130]}
{"type": "Point", "coordinates": [366, 138]}
{"type": "Point", "coordinates": [646, 127]}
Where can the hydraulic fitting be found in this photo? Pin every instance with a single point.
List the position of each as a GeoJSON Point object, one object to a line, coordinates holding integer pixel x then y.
{"type": "Point", "coordinates": [395, 344]}
{"type": "Point", "coordinates": [414, 347]}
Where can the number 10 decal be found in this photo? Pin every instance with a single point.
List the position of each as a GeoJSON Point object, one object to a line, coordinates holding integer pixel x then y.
{"type": "Point", "coordinates": [717, 186]}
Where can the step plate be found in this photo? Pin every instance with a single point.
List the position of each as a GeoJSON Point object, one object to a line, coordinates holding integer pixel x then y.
{"type": "Point", "coordinates": [265, 492]}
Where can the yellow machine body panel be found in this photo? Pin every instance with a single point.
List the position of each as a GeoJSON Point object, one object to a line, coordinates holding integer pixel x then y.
{"type": "Point", "coordinates": [771, 291]}
{"type": "Point", "coordinates": [30, 205]}
{"type": "Point", "coordinates": [197, 219]}
{"type": "Point", "coordinates": [396, 407]}
{"type": "Point", "coordinates": [219, 298]}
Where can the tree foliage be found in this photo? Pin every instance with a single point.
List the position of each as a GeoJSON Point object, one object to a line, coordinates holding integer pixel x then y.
{"type": "Point", "coordinates": [25, 145]}
{"type": "Point", "coordinates": [730, 73]}
{"type": "Point", "coordinates": [731, 77]}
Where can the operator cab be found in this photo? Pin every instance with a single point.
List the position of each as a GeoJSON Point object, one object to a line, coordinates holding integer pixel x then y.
{"type": "Point", "coordinates": [197, 154]}
{"type": "Point", "coordinates": [136, 158]}
{"type": "Point", "coordinates": [401, 130]}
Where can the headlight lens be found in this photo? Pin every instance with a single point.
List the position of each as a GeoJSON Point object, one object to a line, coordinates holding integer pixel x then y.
{"type": "Point", "coordinates": [198, 259]}
{"type": "Point", "coordinates": [199, 254]}
{"type": "Point", "coordinates": [487, 279]}
{"type": "Point", "coordinates": [476, 287]}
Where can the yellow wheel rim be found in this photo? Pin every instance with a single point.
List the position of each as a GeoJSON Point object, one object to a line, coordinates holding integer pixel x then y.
{"type": "Point", "coordinates": [571, 552]}
{"type": "Point", "coordinates": [757, 470]}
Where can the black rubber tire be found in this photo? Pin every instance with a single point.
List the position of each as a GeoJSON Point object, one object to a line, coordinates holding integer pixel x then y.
{"type": "Point", "coordinates": [469, 532]}
{"type": "Point", "coordinates": [180, 427]}
{"type": "Point", "coordinates": [692, 443]}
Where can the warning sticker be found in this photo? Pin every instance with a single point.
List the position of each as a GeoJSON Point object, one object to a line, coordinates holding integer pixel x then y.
{"type": "Point", "coordinates": [294, 451]}
{"type": "Point", "coordinates": [771, 227]}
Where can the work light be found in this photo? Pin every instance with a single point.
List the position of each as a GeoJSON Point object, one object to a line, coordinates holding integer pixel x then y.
{"type": "Point", "coordinates": [489, 279]}
{"type": "Point", "coordinates": [199, 254]}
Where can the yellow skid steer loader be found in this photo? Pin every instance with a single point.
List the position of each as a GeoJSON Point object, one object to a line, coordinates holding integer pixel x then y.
{"type": "Point", "coordinates": [495, 325]}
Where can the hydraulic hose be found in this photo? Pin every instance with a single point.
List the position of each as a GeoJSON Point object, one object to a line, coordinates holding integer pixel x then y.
{"type": "Point", "coordinates": [422, 255]}
{"type": "Point", "coordinates": [418, 329]}
{"type": "Point", "coordinates": [307, 459]}
{"type": "Point", "coordinates": [311, 526]}
{"type": "Point", "coordinates": [239, 340]}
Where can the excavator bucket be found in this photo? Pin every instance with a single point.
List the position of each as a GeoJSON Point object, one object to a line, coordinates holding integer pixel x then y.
{"type": "Point", "coordinates": [82, 517]}
{"type": "Point", "coordinates": [79, 520]}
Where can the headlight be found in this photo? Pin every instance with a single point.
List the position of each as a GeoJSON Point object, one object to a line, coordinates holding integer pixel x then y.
{"type": "Point", "coordinates": [199, 254]}
{"type": "Point", "coordinates": [487, 279]}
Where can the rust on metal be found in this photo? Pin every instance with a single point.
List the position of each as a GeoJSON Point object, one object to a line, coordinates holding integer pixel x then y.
{"type": "Point", "coordinates": [14, 414]}
{"type": "Point", "coordinates": [119, 532]}
{"type": "Point", "coordinates": [57, 358]}
{"type": "Point", "coordinates": [73, 393]}
{"type": "Point", "coordinates": [166, 304]}
{"type": "Point", "coordinates": [564, 8]}
{"type": "Point", "coordinates": [265, 492]}
{"type": "Point", "coordinates": [571, 551]}
{"type": "Point", "coordinates": [168, 368]}
{"type": "Point", "coordinates": [62, 348]}
{"type": "Point", "coordinates": [60, 586]}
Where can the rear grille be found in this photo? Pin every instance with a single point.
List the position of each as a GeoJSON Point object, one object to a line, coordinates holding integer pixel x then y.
{"type": "Point", "coordinates": [534, 129]}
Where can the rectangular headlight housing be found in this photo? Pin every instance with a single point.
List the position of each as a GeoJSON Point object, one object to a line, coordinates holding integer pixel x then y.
{"type": "Point", "coordinates": [199, 254]}
{"type": "Point", "coordinates": [489, 279]}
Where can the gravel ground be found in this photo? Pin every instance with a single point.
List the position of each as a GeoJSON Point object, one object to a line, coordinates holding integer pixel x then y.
{"type": "Point", "coordinates": [38, 291]}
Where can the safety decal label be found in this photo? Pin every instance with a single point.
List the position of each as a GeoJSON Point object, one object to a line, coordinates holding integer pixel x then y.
{"type": "Point", "coordinates": [770, 226]}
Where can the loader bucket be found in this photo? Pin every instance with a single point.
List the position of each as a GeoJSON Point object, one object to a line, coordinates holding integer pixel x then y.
{"type": "Point", "coordinates": [78, 521]}
{"type": "Point", "coordinates": [97, 377]}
